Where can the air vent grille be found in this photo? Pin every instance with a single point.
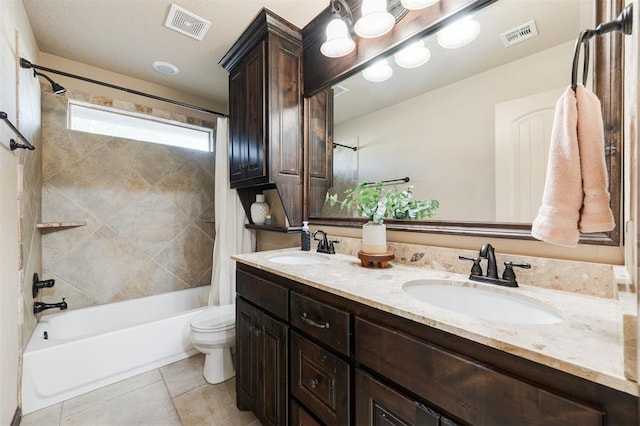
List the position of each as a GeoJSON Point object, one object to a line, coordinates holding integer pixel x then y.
{"type": "Point", "coordinates": [186, 23]}
{"type": "Point", "coordinates": [519, 34]}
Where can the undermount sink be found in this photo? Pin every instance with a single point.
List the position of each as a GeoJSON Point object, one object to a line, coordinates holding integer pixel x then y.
{"type": "Point", "coordinates": [491, 304]}
{"type": "Point", "coordinates": [299, 259]}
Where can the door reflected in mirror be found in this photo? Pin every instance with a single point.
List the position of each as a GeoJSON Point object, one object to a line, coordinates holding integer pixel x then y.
{"type": "Point", "coordinates": [470, 127]}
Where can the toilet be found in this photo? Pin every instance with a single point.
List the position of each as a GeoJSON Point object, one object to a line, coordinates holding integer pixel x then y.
{"type": "Point", "coordinates": [213, 333]}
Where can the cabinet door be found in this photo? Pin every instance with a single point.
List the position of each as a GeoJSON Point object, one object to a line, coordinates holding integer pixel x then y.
{"type": "Point", "coordinates": [274, 378]}
{"type": "Point", "coordinates": [246, 356]}
{"type": "Point", "coordinates": [378, 404]}
{"type": "Point", "coordinates": [318, 149]}
{"type": "Point", "coordinates": [247, 120]}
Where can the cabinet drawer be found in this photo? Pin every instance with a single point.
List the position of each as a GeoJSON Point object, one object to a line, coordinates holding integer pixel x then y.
{"type": "Point", "coordinates": [300, 416]}
{"type": "Point", "coordinates": [329, 325]}
{"type": "Point", "coordinates": [378, 404]}
{"type": "Point", "coordinates": [268, 295]}
{"type": "Point", "coordinates": [320, 381]}
{"type": "Point", "coordinates": [469, 390]}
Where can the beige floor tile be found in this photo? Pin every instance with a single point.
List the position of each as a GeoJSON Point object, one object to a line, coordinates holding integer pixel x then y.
{"type": "Point", "coordinates": [184, 375]}
{"type": "Point", "coordinates": [49, 416]}
{"type": "Point", "coordinates": [213, 405]}
{"type": "Point", "coordinates": [150, 405]}
{"type": "Point", "coordinates": [109, 393]}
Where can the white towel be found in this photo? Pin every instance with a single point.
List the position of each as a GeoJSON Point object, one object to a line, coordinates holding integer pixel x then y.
{"type": "Point", "coordinates": [557, 220]}
{"type": "Point", "coordinates": [575, 192]}
{"type": "Point", "coordinates": [596, 214]}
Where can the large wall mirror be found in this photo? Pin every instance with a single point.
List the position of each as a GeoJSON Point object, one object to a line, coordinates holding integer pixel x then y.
{"type": "Point", "coordinates": [471, 126]}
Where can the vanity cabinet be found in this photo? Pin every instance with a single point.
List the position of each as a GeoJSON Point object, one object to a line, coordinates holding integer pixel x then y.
{"type": "Point", "coordinates": [352, 364]}
{"type": "Point", "coordinates": [262, 379]}
{"type": "Point", "coordinates": [265, 108]}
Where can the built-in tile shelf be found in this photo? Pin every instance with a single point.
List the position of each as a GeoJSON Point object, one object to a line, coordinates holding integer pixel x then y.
{"type": "Point", "coordinates": [59, 225]}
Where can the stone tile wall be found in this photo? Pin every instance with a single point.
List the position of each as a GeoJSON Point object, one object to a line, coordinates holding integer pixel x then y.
{"type": "Point", "coordinates": [148, 210]}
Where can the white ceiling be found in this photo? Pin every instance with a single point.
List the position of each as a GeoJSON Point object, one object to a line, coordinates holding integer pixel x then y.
{"type": "Point", "coordinates": [127, 36]}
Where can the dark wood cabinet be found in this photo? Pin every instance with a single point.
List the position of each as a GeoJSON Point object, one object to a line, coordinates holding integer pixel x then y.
{"type": "Point", "coordinates": [351, 364]}
{"type": "Point", "coordinates": [265, 108]}
{"type": "Point", "coordinates": [262, 382]}
{"type": "Point", "coordinates": [247, 141]}
{"type": "Point", "coordinates": [318, 150]}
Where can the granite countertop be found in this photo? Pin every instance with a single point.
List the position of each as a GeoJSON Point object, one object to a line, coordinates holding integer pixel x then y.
{"type": "Point", "coordinates": [587, 343]}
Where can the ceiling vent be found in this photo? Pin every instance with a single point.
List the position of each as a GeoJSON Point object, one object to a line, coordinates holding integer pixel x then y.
{"type": "Point", "coordinates": [339, 90]}
{"type": "Point", "coordinates": [186, 23]}
{"type": "Point", "coordinates": [519, 34]}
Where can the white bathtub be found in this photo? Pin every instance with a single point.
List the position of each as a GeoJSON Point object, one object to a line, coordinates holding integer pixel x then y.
{"type": "Point", "coordinates": [94, 347]}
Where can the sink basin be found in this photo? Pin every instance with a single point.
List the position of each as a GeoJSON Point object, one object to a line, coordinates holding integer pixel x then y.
{"type": "Point", "coordinates": [299, 259]}
{"type": "Point", "coordinates": [479, 302]}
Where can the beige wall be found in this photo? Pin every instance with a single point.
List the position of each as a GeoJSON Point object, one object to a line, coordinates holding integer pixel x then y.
{"type": "Point", "coordinates": [444, 140]}
{"type": "Point", "coordinates": [148, 210]}
{"type": "Point", "coordinates": [19, 198]}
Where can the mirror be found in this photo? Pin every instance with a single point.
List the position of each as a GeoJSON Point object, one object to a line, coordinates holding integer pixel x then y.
{"type": "Point", "coordinates": [469, 127]}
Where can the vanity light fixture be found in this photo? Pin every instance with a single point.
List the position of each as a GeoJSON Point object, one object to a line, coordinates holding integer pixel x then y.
{"type": "Point", "coordinates": [417, 4]}
{"type": "Point", "coordinates": [339, 42]}
{"type": "Point", "coordinates": [413, 56]}
{"type": "Point", "coordinates": [378, 72]}
{"type": "Point", "coordinates": [375, 20]}
{"type": "Point", "coordinates": [458, 34]}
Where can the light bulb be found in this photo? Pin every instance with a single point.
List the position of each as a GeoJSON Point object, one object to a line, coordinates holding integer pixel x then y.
{"type": "Point", "coordinates": [375, 20]}
{"type": "Point", "coordinates": [417, 4]}
{"type": "Point", "coordinates": [339, 42]}
{"type": "Point", "coordinates": [413, 56]}
{"type": "Point", "coordinates": [378, 72]}
{"type": "Point", "coordinates": [459, 33]}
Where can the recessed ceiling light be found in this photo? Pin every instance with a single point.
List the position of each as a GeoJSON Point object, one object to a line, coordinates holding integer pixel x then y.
{"type": "Point", "coordinates": [165, 68]}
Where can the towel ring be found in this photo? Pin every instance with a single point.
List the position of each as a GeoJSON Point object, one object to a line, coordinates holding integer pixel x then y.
{"type": "Point", "coordinates": [623, 23]}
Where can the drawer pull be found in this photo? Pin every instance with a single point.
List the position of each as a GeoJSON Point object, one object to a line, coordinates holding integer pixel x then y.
{"type": "Point", "coordinates": [313, 383]}
{"type": "Point", "coordinates": [312, 323]}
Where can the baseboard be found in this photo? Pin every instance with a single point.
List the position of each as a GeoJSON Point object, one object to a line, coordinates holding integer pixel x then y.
{"type": "Point", "coordinates": [17, 417]}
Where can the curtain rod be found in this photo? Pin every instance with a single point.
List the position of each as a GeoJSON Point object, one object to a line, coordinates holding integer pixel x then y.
{"type": "Point", "coordinates": [26, 64]}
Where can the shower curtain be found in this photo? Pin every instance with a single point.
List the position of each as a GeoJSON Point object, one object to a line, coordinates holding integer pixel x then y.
{"type": "Point", "coordinates": [231, 235]}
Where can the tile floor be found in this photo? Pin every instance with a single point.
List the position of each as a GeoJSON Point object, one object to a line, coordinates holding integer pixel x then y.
{"type": "Point", "coordinates": [176, 394]}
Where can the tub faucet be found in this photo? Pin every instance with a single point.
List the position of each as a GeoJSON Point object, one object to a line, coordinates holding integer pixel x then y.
{"type": "Point", "coordinates": [41, 306]}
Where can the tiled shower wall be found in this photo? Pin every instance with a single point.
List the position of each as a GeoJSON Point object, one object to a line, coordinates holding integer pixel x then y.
{"type": "Point", "coordinates": [148, 210]}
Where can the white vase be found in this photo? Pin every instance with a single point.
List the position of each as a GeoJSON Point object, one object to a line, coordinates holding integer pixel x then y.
{"type": "Point", "coordinates": [374, 238]}
{"type": "Point", "coordinates": [259, 210]}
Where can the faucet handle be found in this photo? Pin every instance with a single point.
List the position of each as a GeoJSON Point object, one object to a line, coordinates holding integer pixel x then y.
{"type": "Point", "coordinates": [476, 269]}
{"type": "Point", "coordinates": [331, 248]}
{"type": "Point", "coordinates": [508, 273]}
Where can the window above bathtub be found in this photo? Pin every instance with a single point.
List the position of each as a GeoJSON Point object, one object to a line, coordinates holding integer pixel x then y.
{"type": "Point", "coordinates": [101, 120]}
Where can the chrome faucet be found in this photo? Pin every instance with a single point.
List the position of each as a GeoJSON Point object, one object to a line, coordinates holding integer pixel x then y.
{"type": "Point", "coordinates": [325, 245]}
{"type": "Point", "coordinates": [41, 306]}
{"type": "Point", "coordinates": [488, 252]}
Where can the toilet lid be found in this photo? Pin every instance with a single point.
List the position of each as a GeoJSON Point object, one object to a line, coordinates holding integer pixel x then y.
{"type": "Point", "coordinates": [215, 317]}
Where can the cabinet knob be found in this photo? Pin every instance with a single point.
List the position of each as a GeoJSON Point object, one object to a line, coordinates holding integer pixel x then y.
{"type": "Point", "coordinates": [313, 383]}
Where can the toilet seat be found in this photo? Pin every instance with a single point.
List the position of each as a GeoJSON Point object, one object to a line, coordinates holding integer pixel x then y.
{"type": "Point", "coordinates": [215, 318]}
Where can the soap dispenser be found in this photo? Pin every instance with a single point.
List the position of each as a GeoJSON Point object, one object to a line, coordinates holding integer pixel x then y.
{"type": "Point", "coordinates": [305, 237]}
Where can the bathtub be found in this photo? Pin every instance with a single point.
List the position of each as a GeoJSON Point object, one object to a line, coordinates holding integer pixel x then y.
{"type": "Point", "coordinates": [93, 347]}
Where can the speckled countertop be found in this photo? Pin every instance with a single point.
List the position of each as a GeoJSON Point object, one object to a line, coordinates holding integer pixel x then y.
{"type": "Point", "coordinates": [587, 342]}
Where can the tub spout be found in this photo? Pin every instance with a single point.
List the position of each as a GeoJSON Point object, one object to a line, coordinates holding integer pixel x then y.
{"type": "Point", "coordinates": [41, 306]}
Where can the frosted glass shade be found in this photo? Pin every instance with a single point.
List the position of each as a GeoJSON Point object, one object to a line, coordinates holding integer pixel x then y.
{"type": "Point", "coordinates": [339, 42]}
{"type": "Point", "coordinates": [413, 56]}
{"type": "Point", "coordinates": [417, 4]}
{"type": "Point", "coordinates": [378, 72]}
{"type": "Point", "coordinates": [459, 33]}
{"type": "Point", "coordinates": [375, 20]}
